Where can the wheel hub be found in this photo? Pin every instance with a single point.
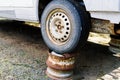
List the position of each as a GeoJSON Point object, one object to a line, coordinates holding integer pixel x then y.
{"type": "Point", "coordinates": [59, 27]}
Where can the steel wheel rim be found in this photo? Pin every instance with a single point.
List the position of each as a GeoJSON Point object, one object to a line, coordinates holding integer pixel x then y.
{"type": "Point", "coordinates": [58, 27]}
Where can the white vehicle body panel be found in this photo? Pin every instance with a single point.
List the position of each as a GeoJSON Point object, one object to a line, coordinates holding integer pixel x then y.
{"type": "Point", "coordinates": [104, 9]}
{"type": "Point", "coordinates": [4, 3]}
{"type": "Point", "coordinates": [27, 10]}
{"type": "Point", "coordinates": [103, 5]}
{"type": "Point", "coordinates": [22, 3]}
{"type": "Point", "coordinates": [24, 10]}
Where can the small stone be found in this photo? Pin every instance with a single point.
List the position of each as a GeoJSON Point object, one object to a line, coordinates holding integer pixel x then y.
{"type": "Point", "coordinates": [9, 78]}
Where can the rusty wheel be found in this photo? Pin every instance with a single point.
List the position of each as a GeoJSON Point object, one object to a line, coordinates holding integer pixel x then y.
{"type": "Point", "coordinates": [58, 27]}
{"type": "Point", "coordinates": [63, 26]}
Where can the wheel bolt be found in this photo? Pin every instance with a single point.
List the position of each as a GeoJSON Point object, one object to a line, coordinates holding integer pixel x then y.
{"type": "Point", "coordinates": [56, 30]}
{"type": "Point", "coordinates": [60, 32]}
{"type": "Point", "coordinates": [59, 22]}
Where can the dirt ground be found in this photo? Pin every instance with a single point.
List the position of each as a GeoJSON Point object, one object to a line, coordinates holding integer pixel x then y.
{"type": "Point", "coordinates": [23, 54]}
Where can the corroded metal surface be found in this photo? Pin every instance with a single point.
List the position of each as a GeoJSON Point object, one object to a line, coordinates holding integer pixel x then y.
{"type": "Point", "coordinates": [102, 26]}
{"type": "Point", "coordinates": [58, 74]}
{"type": "Point", "coordinates": [60, 67]}
{"type": "Point", "coordinates": [61, 62]}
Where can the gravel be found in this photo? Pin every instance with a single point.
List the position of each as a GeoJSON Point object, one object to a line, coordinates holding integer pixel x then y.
{"type": "Point", "coordinates": [23, 54]}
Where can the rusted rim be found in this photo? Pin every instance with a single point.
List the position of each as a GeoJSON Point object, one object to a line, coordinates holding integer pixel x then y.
{"type": "Point", "coordinates": [58, 27]}
{"type": "Point", "coordinates": [60, 65]}
{"type": "Point", "coordinates": [60, 62]}
{"type": "Point", "coordinates": [59, 75]}
{"type": "Point", "coordinates": [64, 56]}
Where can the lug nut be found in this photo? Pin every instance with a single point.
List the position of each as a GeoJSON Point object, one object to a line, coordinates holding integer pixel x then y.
{"type": "Point", "coordinates": [56, 30]}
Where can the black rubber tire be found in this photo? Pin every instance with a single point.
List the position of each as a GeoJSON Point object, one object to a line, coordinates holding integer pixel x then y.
{"type": "Point", "coordinates": [85, 22]}
{"type": "Point", "coordinates": [74, 15]}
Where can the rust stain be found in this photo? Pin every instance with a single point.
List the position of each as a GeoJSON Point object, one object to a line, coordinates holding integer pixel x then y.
{"type": "Point", "coordinates": [60, 66]}
{"type": "Point", "coordinates": [66, 62]}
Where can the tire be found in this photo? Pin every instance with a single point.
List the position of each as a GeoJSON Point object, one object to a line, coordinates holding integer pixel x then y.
{"type": "Point", "coordinates": [85, 23]}
{"type": "Point", "coordinates": [61, 26]}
